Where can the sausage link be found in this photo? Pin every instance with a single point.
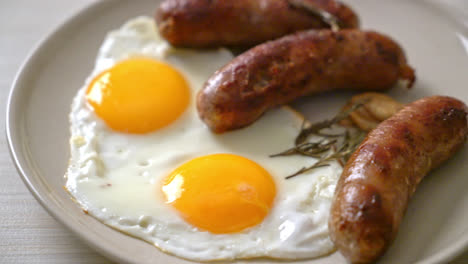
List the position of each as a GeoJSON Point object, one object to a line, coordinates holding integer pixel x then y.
{"type": "Point", "coordinates": [380, 177]}
{"type": "Point", "coordinates": [304, 63]}
{"type": "Point", "coordinates": [242, 23]}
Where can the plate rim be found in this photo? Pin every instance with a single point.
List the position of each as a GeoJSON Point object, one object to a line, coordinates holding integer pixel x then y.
{"type": "Point", "coordinates": [448, 253]}
{"type": "Point", "coordinates": [51, 209]}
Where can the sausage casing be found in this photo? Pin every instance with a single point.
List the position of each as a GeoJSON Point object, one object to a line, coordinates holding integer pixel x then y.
{"type": "Point", "coordinates": [304, 63]}
{"type": "Point", "coordinates": [243, 23]}
{"type": "Point", "coordinates": [382, 174]}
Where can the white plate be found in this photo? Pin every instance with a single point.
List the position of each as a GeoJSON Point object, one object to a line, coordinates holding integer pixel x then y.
{"type": "Point", "coordinates": [435, 228]}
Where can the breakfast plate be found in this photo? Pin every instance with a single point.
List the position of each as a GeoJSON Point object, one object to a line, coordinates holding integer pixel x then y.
{"type": "Point", "coordinates": [434, 229]}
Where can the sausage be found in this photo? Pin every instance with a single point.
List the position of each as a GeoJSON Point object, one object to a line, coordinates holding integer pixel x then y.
{"type": "Point", "coordinates": [372, 193]}
{"type": "Point", "coordinates": [242, 23]}
{"type": "Point", "coordinates": [304, 63]}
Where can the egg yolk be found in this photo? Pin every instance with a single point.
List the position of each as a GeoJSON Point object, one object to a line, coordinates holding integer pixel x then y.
{"type": "Point", "coordinates": [220, 193]}
{"type": "Point", "coordinates": [138, 95]}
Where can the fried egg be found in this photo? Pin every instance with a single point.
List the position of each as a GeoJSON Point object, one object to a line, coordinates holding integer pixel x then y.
{"type": "Point", "coordinates": [143, 162]}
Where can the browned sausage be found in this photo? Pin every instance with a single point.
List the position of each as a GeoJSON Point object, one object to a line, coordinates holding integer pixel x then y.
{"type": "Point", "coordinates": [308, 62]}
{"type": "Point", "coordinates": [245, 23]}
{"type": "Point", "coordinates": [373, 192]}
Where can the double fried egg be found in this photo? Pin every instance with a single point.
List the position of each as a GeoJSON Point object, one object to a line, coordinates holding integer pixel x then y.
{"type": "Point", "coordinates": [143, 162]}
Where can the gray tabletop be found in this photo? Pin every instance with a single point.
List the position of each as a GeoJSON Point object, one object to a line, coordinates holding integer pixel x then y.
{"type": "Point", "coordinates": [27, 233]}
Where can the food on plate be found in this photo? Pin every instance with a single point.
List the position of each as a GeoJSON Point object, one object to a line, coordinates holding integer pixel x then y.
{"type": "Point", "coordinates": [341, 134]}
{"type": "Point", "coordinates": [382, 174]}
{"type": "Point", "coordinates": [304, 63]}
{"type": "Point", "coordinates": [376, 107]}
{"type": "Point", "coordinates": [244, 23]}
{"type": "Point", "coordinates": [143, 162]}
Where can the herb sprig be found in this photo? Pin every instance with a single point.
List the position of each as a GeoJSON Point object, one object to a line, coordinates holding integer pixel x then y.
{"type": "Point", "coordinates": [331, 147]}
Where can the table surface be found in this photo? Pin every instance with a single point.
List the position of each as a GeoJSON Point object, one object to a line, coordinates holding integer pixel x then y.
{"type": "Point", "coordinates": [27, 233]}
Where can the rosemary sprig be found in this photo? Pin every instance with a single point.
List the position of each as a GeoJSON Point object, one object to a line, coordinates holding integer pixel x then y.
{"type": "Point", "coordinates": [315, 128]}
{"type": "Point", "coordinates": [311, 149]}
{"type": "Point", "coordinates": [331, 147]}
{"type": "Point", "coordinates": [327, 135]}
{"type": "Point", "coordinates": [342, 154]}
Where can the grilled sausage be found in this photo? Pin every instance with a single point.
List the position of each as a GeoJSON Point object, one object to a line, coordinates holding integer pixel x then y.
{"type": "Point", "coordinates": [244, 23]}
{"type": "Point", "coordinates": [373, 192]}
{"type": "Point", "coordinates": [308, 62]}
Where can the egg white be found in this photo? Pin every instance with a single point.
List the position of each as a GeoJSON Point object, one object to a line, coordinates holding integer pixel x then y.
{"type": "Point", "coordinates": [116, 177]}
